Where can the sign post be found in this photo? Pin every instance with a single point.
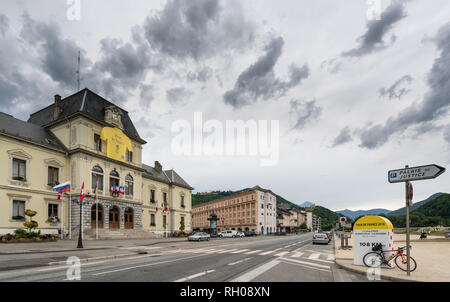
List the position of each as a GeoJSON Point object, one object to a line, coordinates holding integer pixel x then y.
{"type": "Point", "coordinates": [411, 174]}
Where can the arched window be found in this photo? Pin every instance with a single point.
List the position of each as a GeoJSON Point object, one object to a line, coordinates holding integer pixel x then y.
{"type": "Point", "coordinates": [114, 181]}
{"type": "Point", "coordinates": [97, 178]}
{"type": "Point", "coordinates": [129, 185]}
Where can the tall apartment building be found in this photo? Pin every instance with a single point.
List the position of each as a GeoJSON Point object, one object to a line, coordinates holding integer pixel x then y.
{"type": "Point", "coordinates": [251, 210]}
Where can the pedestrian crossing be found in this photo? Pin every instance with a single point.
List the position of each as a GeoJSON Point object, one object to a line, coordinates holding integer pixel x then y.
{"type": "Point", "coordinates": [308, 255]}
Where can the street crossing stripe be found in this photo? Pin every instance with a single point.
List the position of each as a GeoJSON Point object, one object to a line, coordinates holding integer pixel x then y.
{"type": "Point", "coordinates": [281, 254]}
{"type": "Point", "coordinates": [314, 256]}
{"type": "Point", "coordinates": [249, 276]}
{"type": "Point", "coordinates": [297, 255]}
{"type": "Point", "coordinates": [266, 253]}
{"type": "Point", "coordinates": [330, 257]}
{"type": "Point", "coordinates": [306, 263]}
{"type": "Point", "coordinates": [252, 252]}
{"type": "Point", "coordinates": [240, 251]}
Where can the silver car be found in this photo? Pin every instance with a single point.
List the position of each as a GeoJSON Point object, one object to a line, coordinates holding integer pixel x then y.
{"type": "Point", "coordinates": [321, 238]}
{"type": "Point", "coordinates": [199, 237]}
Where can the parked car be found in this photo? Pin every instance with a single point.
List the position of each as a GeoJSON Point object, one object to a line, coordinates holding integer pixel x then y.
{"type": "Point", "coordinates": [199, 237]}
{"type": "Point", "coordinates": [330, 235]}
{"type": "Point", "coordinates": [240, 234]}
{"type": "Point", "coordinates": [228, 234]}
{"type": "Point", "coordinates": [249, 233]}
{"type": "Point", "coordinates": [321, 238]}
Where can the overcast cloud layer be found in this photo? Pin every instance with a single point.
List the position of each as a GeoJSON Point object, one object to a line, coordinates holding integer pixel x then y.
{"type": "Point", "coordinates": [354, 96]}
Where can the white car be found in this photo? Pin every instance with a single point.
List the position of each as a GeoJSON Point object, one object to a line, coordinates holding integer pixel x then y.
{"type": "Point", "coordinates": [199, 237]}
{"type": "Point", "coordinates": [240, 234]}
{"type": "Point", "coordinates": [320, 238]}
{"type": "Point", "coordinates": [228, 234]}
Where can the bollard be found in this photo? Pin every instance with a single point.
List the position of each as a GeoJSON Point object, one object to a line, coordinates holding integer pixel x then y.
{"type": "Point", "coordinates": [342, 242]}
{"type": "Point", "coordinates": [346, 241]}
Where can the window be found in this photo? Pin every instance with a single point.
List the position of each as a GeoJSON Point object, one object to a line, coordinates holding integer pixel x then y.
{"type": "Point", "coordinates": [18, 209]}
{"type": "Point", "coordinates": [129, 155]}
{"type": "Point", "coordinates": [164, 221]}
{"type": "Point", "coordinates": [97, 178]}
{"type": "Point", "coordinates": [152, 195]}
{"type": "Point", "coordinates": [19, 169]}
{"type": "Point", "coordinates": [128, 185]}
{"type": "Point", "coordinates": [52, 210]}
{"type": "Point", "coordinates": [152, 220]}
{"type": "Point", "coordinates": [53, 176]}
{"type": "Point", "coordinates": [97, 143]}
{"type": "Point", "coordinates": [114, 180]}
{"type": "Point", "coordinates": [164, 197]}
{"type": "Point", "coordinates": [182, 201]}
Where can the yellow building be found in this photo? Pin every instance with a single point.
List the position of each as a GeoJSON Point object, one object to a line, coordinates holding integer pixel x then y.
{"type": "Point", "coordinates": [85, 138]}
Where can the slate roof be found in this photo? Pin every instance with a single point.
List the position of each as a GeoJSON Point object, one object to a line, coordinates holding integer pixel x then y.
{"type": "Point", "coordinates": [167, 176]}
{"type": "Point", "coordinates": [29, 132]}
{"type": "Point", "coordinates": [89, 103]}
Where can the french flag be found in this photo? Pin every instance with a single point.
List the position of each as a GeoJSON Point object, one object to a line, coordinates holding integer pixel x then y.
{"type": "Point", "coordinates": [64, 187]}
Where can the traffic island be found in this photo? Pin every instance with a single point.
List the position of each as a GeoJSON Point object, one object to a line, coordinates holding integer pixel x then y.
{"type": "Point", "coordinates": [431, 257]}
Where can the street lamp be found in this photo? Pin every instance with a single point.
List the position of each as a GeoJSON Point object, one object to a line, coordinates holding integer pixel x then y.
{"type": "Point", "coordinates": [80, 239]}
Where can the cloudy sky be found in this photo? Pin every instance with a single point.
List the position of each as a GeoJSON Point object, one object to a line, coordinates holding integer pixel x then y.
{"type": "Point", "coordinates": [358, 87]}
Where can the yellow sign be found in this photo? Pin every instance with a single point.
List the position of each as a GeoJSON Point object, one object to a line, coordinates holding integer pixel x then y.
{"type": "Point", "coordinates": [371, 222]}
{"type": "Point", "coordinates": [117, 143]}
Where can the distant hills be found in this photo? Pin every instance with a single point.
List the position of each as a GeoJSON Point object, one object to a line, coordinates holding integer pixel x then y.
{"type": "Point", "coordinates": [401, 211]}
{"type": "Point", "coordinates": [307, 204]}
{"type": "Point", "coordinates": [353, 214]}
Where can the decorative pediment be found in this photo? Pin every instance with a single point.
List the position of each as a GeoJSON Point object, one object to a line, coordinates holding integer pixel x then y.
{"type": "Point", "coordinates": [113, 115]}
{"type": "Point", "coordinates": [19, 153]}
{"type": "Point", "coordinates": [54, 162]}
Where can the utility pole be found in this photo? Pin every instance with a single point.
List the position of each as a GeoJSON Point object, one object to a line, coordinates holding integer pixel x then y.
{"type": "Point", "coordinates": [408, 263]}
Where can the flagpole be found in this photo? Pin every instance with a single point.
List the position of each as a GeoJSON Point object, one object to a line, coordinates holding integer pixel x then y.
{"type": "Point", "coordinates": [70, 213]}
{"type": "Point", "coordinates": [96, 216]}
{"type": "Point", "coordinates": [62, 218]}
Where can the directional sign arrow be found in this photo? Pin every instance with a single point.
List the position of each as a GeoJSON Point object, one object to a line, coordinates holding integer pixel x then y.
{"type": "Point", "coordinates": [415, 173]}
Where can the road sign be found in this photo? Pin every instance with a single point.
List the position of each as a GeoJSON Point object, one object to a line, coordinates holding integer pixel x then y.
{"type": "Point", "coordinates": [343, 219]}
{"type": "Point", "coordinates": [410, 193]}
{"type": "Point", "coordinates": [415, 173]}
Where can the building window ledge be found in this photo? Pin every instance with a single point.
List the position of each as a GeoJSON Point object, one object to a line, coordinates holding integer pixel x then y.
{"type": "Point", "coordinates": [19, 183]}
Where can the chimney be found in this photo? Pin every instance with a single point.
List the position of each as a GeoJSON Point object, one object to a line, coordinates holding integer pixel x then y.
{"type": "Point", "coordinates": [158, 166]}
{"type": "Point", "coordinates": [57, 107]}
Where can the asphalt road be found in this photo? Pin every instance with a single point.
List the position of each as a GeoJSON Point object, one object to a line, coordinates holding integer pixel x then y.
{"type": "Point", "coordinates": [259, 259]}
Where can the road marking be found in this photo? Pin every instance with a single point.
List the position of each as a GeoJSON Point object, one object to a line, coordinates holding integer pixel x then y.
{"type": "Point", "coordinates": [256, 272]}
{"type": "Point", "coordinates": [144, 265]}
{"type": "Point", "coordinates": [252, 252]}
{"type": "Point", "coordinates": [282, 254]}
{"type": "Point", "coordinates": [277, 249]}
{"type": "Point", "coordinates": [67, 266]}
{"type": "Point", "coordinates": [240, 251]}
{"type": "Point", "coordinates": [307, 263]}
{"type": "Point", "coordinates": [306, 266]}
{"type": "Point", "coordinates": [330, 257]}
{"type": "Point", "coordinates": [194, 276]}
{"type": "Point", "coordinates": [314, 256]}
{"type": "Point", "coordinates": [325, 253]}
{"type": "Point", "coordinates": [140, 247]}
{"type": "Point", "coordinates": [297, 255]}
{"type": "Point", "coordinates": [234, 263]}
{"type": "Point", "coordinates": [266, 253]}
{"type": "Point", "coordinates": [229, 251]}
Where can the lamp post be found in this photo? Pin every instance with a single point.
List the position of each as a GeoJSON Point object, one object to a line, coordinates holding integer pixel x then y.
{"type": "Point", "coordinates": [80, 239]}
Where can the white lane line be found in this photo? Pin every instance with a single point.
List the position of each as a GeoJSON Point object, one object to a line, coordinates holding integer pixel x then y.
{"type": "Point", "coordinates": [306, 266]}
{"type": "Point", "coordinates": [256, 272]}
{"type": "Point", "coordinates": [277, 249]}
{"type": "Point", "coordinates": [234, 263]}
{"type": "Point", "coordinates": [240, 251]}
{"type": "Point", "coordinates": [144, 265]}
{"type": "Point", "coordinates": [297, 255]}
{"type": "Point", "coordinates": [307, 263]}
{"type": "Point", "coordinates": [253, 252]}
{"type": "Point", "coordinates": [330, 257]}
{"type": "Point", "coordinates": [266, 253]}
{"type": "Point", "coordinates": [281, 254]}
{"type": "Point", "coordinates": [324, 253]}
{"type": "Point", "coordinates": [194, 276]}
{"type": "Point", "coordinates": [229, 251]}
{"type": "Point", "coordinates": [314, 256]}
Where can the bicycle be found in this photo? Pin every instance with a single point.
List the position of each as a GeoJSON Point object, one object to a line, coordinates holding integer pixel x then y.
{"type": "Point", "coordinates": [377, 258]}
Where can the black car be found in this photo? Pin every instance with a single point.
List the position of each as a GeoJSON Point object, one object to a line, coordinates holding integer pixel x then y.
{"type": "Point", "coordinates": [248, 233]}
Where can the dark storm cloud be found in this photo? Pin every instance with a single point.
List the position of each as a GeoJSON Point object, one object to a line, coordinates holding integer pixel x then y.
{"type": "Point", "coordinates": [178, 95]}
{"type": "Point", "coordinates": [198, 28]}
{"type": "Point", "coordinates": [397, 90]}
{"type": "Point", "coordinates": [343, 137]}
{"type": "Point", "coordinates": [4, 24]}
{"type": "Point", "coordinates": [259, 80]}
{"type": "Point", "coordinates": [434, 105]}
{"type": "Point", "coordinates": [373, 39]}
{"type": "Point", "coordinates": [302, 112]}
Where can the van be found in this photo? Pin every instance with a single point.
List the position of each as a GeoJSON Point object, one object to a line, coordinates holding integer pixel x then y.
{"type": "Point", "coordinates": [228, 234]}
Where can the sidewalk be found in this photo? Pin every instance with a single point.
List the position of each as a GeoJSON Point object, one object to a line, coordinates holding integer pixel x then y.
{"type": "Point", "coordinates": [432, 259]}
